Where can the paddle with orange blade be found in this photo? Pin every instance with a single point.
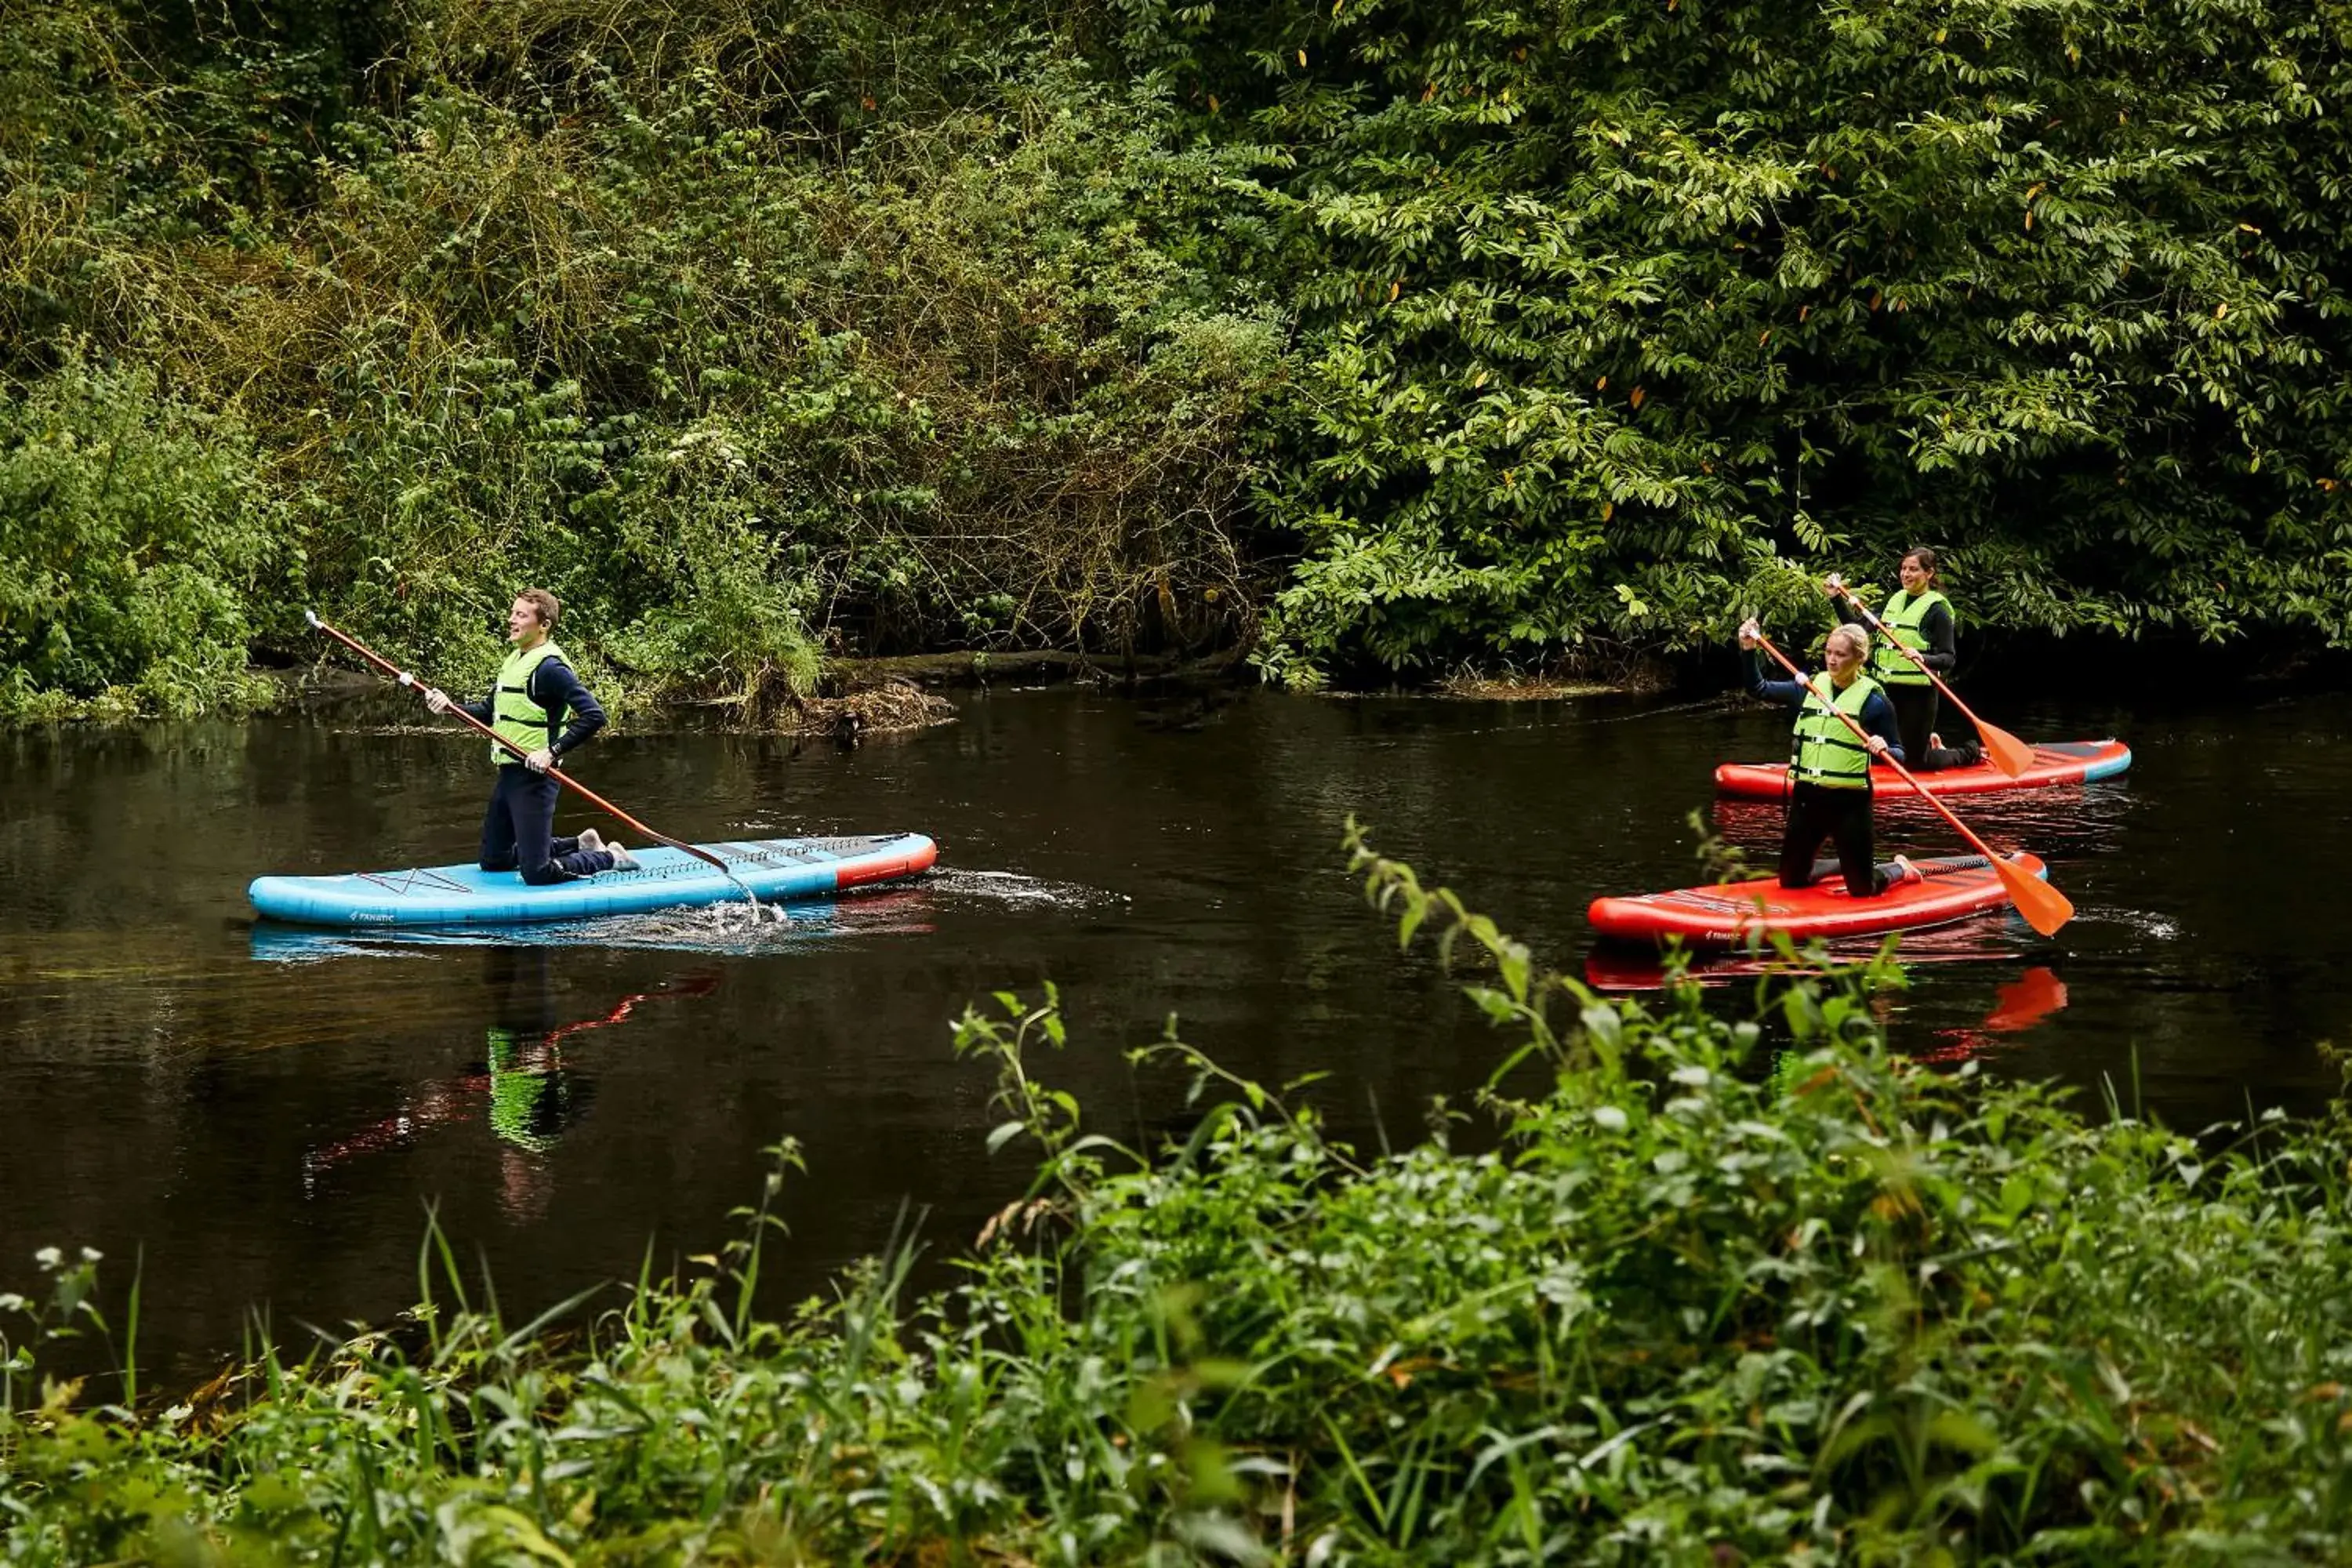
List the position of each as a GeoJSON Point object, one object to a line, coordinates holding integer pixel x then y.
{"type": "Point", "coordinates": [2010, 754]}
{"type": "Point", "coordinates": [561, 777]}
{"type": "Point", "coordinates": [2045, 909]}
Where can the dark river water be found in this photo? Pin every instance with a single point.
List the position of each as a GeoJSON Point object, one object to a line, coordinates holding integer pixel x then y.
{"type": "Point", "coordinates": [264, 1117]}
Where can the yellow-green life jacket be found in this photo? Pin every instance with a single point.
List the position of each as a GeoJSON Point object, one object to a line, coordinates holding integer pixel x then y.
{"type": "Point", "coordinates": [513, 712]}
{"type": "Point", "coordinates": [1824, 751]}
{"type": "Point", "coordinates": [526, 1103]}
{"type": "Point", "coordinates": [1902, 619]}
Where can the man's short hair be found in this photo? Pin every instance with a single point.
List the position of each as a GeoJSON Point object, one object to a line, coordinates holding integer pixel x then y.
{"type": "Point", "coordinates": [545, 602]}
{"type": "Point", "coordinates": [1854, 634]}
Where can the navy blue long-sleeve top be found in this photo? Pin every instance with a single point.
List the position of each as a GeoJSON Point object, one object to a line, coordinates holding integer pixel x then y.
{"type": "Point", "coordinates": [1877, 714]}
{"type": "Point", "coordinates": [552, 685]}
{"type": "Point", "coordinates": [1936, 626]}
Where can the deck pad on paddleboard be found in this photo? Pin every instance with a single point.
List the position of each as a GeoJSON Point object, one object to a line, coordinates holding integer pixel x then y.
{"type": "Point", "coordinates": [2054, 762]}
{"type": "Point", "coordinates": [1724, 914]}
{"type": "Point", "coordinates": [666, 878]}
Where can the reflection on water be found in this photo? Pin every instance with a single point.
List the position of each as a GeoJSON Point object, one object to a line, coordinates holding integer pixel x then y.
{"type": "Point", "coordinates": [527, 1085]}
{"type": "Point", "coordinates": [2018, 1006]}
{"type": "Point", "coordinates": [2062, 822]}
{"type": "Point", "coordinates": [269, 1111]}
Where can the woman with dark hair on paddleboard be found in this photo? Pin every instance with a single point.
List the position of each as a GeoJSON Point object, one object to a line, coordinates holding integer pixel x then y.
{"type": "Point", "coordinates": [534, 688]}
{"type": "Point", "coordinates": [1829, 770]}
{"type": "Point", "coordinates": [1921, 620]}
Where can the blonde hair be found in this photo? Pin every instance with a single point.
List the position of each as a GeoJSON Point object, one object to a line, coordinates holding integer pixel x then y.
{"type": "Point", "coordinates": [1852, 633]}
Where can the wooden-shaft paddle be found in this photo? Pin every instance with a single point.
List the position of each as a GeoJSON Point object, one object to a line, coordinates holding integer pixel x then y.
{"type": "Point", "coordinates": [558, 775]}
{"type": "Point", "coordinates": [2045, 909]}
{"type": "Point", "coordinates": [2010, 754]}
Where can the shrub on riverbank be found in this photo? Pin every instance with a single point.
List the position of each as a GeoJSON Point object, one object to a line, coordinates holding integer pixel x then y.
{"type": "Point", "coordinates": [1627, 314]}
{"type": "Point", "coordinates": [135, 533]}
{"type": "Point", "coordinates": [1397, 333]}
{"type": "Point", "coordinates": [1687, 1310]}
{"type": "Point", "coordinates": [869, 328]}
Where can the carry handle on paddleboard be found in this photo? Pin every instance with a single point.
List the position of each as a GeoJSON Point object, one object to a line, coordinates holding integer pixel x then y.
{"type": "Point", "coordinates": [2010, 754]}
{"type": "Point", "coordinates": [558, 775]}
{"type": "Point", "coordinates": [2045, 909]}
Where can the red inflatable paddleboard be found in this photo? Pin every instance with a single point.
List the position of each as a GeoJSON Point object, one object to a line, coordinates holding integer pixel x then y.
{"type": "Point", "coordinates": [2057, 763]}
{"type": "Point", "coordinates": [1728, 913]}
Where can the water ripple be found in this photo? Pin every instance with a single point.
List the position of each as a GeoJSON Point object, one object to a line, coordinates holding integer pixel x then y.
{"type": "Point", "coordinates": [1019, 892]}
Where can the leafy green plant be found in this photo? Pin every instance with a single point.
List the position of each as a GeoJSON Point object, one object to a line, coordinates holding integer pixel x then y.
{"type": "Point", "coordinates": [1616, 310]}
{"type": "Point", "coordinates": [869, 330]}
{"type": "Point", "coordinates": [1717, 1288]}
{"type": "Point", "coordinates": [1377, 337]}
{"type": "Point", "coordinates": [133, 530]}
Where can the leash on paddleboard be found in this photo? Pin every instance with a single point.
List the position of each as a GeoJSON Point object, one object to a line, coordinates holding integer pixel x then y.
{"type": "Point", "coordinates": [557, 774]}
{"type": "Point", "coordinates": [2045, 909]}
{"type": "Point", "coordinates": [2010, 754]}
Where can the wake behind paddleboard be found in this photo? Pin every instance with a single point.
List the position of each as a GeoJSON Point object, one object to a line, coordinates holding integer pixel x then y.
{"type": "Point", "coordinates": [2057, 763]}
{"type": "Point", "coordinates": [1726, 914]}
{"type": "Point", "coordinates": [781, 869]}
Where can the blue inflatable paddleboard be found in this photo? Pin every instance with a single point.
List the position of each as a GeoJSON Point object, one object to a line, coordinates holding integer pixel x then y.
{"type": "Point", "coordinates": [781, 869]}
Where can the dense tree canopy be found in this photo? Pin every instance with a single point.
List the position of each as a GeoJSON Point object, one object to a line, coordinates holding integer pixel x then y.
{"type": "Point", "coordinates": [1618, 310]}
{"type": "Point", "coordinates": [1386, 333]}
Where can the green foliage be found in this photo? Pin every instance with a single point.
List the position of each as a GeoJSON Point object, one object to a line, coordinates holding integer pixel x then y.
{"type": "Point", "coordinates": [1618, 306]}
{"type": "Point", "coordinates": [1384, 334]}
{"type": "Point", "coordinates": [872, 328]}
{"type": "Point", "coordinates": [1689, 1305]}
{"type": "Point", "coordinates": [134, 531]}
{"type": "Point", "coordinates": [738, 626]}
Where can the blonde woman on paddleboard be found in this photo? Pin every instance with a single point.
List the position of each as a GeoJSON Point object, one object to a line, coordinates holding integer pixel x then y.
{"type": "Point", "coordinates": [1829, 769]}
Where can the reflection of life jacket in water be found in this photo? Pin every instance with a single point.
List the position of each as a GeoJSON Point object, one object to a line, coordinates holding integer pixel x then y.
{"type": "Point", "coordinates": [532, 1099]}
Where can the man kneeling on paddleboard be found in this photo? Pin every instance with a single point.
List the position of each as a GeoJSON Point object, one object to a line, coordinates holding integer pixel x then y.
{"type": "Point", "coordinates": [1829, 769]}
{"type": "Point", "coordinates": [535, 688]}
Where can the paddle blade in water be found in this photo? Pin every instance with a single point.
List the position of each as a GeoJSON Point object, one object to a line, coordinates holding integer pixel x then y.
{"type": "Point", "coordinates": [2045, 909]}
{"type": "Point", "coordinates": [2010, 754]}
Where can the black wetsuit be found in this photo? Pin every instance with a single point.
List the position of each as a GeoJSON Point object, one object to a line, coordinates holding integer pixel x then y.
{"type": "Point", "coordinates": [518, 828]}
{"type": "Point", "coordinates": [1817, 812]}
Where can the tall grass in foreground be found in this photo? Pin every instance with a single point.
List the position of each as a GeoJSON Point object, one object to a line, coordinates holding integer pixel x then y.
{"type": "Point", "coordinates": [1687, 1310]}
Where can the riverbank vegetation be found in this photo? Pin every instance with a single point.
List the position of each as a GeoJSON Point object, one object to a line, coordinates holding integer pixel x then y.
{"type": "Point", "coordinates": [1691, 1306]}
{"type": "Point", "coordinates": [1375, 336]}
